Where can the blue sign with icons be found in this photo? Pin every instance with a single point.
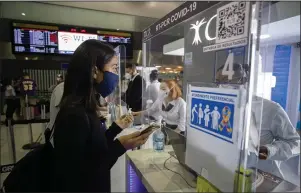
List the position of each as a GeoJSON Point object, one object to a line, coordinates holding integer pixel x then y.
{"type": "Point", "coordinates": [213, 113]}
{"type": "Point", "coordinates": [298, 124]}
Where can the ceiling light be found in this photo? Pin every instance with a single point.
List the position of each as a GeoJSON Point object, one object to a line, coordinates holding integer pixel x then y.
{"type": "Point", "coordinates": [171, 71]}
{"type": "Point", "coordinates": [265, 36]}
{"type": "Point", "coordinates": [152, 4]}
{"type": "Point", "coordinates": [180, 67]}
{"type": "Point", "coordinates": [174, 48]}
{"type": "Point", "coordinates": [117, 29]}
{"type": "Point", "coordinates": [178, 52]}
{"type": "Point", "coordinates": [158, 66]}
{"type": "Point", "coordinates": [167, 68]}
{"type": "Point", "coordinates": [23, 14]}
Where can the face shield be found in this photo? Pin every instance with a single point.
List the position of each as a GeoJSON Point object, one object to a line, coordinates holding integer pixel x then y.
{"type": "Point", "coordinates": [238, 79]}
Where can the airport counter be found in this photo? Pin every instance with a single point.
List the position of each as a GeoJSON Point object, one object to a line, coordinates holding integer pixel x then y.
{"type": "Point", "coordinates": [149, 171]}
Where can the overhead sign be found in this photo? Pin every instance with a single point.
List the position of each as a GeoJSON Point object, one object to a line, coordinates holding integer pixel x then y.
{"type": "Point", "coordinates": [183, 12]}
{"type": "Point", "coordinates": [68, 41]}
{"type": "Point", "coordinates": [114, 39]}
{"type": "Point", "coordinates": [232, 22]}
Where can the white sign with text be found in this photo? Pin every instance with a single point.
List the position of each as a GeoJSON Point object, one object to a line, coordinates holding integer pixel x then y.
{"type": "Point", "coordinates": [68, 41]}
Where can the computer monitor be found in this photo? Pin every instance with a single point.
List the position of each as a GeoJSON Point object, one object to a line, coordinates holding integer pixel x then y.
{"type": "Point", "coordinates": [178, 142]}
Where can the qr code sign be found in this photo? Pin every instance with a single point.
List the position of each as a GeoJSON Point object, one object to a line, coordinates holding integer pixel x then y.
{"type": "Point", "coordinates": [232, 21]}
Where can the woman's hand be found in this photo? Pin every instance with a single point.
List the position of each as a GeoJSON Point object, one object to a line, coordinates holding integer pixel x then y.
{"type": "Point", "coordinates": [136, 113]}
{"type": "Point", "coordinates": [263, 153]}
{"type": "Point", "coordinates": [133, 140]}
{"type": "Point", "coordinates": [125, 121]}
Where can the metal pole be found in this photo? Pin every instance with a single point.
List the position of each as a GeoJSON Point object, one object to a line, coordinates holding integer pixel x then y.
{"type": "Point", "coordinates": [12, 140]}
{"type": "Point", "coordinates": [30, 133]}
{"type": "Point", "coordinates": [43, 112]}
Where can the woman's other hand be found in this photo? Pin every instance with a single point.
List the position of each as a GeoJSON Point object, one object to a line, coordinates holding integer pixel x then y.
{"type": "Point", "coordinates": [125, 121]}
{"type": "Point", "coordinates": [263, 153]}
{"type": "Point", "coordinates": [133, 140]}
{"type": "Point", "coordinates": [136, 113]}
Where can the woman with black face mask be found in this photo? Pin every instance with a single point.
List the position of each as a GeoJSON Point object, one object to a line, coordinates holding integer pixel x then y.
{"type": "Point", "coordinates": [84, 149]}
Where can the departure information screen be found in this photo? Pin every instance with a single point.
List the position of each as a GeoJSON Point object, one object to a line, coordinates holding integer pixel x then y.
{"type": "Point", "coordinates": [33, 38]}
{"type": "Point", "coordinates": [35, 41]}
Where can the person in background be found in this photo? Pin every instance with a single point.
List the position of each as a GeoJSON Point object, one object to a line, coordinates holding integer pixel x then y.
{"type": "Point", "coordinates": [170, 105]}
{"type": "Point", "coordinates": [84, 149]}
{"type": "Point", "coordinates": [278, 140]}
{"type": "Point", "coordinates": [160, 80]}
{"type": "Point", "coordinates": [2, 99]}
{"type": "Point", "coordinates": [17, 83]}
{"type": "Point", "coordinates": [135, 88]}
{"type": "Point", "coordinates": [10, 95]}
{"type": "Point", "coordinates": [152, 90]}
{"type": "Point", "coordinates": [179, 80]}
{"type": "Point", "coordinates": [59, 79]}
{"type": "Point", "coordinates": [28, 85]}
{"type": "Point", "coordinates": [28, 88]}
{"type": "Point", "coordinates": [55, 100]}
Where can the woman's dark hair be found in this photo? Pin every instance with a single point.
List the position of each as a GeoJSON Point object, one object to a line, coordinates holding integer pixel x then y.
{"type": "Point", "coordinates": [153, 75]}
{"type": "Point", "coordinates": [79, 82]}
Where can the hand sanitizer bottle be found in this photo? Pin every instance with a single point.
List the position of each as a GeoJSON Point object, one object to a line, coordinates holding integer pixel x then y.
{"type": "Point", "coordinates": [159, 139]}
{"type": "Point", "coordinates": [130, 113]}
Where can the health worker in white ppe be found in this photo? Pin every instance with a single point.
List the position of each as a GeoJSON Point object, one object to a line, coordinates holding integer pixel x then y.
{"type": "Point", "coordinates": [152, 92]}
{"type": "Point", "coordinates": [278, 139]}
{"type": "Point", "coordinates": [170, 105]}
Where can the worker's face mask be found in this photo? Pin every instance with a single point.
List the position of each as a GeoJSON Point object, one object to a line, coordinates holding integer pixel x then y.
{"type": "Point", "coordinates": [108, 84]}
{"type": "Point", "coordinates": [163, 93]}
{"type": "Point", "coordinates": [127, 76]}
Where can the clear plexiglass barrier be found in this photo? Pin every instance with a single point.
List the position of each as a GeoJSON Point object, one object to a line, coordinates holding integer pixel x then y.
{"type": "Point", "coordinates": [228, 81]}
{"type": "Point", "coordinates": [115, 102]}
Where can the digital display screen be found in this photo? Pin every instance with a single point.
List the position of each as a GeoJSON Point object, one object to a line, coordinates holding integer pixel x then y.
{"type": "Point", "coordinates": [116, 39]}
{"type": "Point", "coordinates": [69, 41]}
{"type": "Point", "coordinates": [62, 39]}
{"type": "Point", "coordinates": [30, 40]}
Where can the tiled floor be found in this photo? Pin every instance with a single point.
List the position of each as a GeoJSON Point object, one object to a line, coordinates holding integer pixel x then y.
{"type": "Point", "coordinates": [21, 138]}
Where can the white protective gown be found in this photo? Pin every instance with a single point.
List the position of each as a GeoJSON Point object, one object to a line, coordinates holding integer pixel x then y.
{"type": "Point", "coordinates": [277, 134]}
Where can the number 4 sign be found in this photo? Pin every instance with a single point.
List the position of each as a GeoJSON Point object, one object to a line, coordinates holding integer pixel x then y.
{"type": "Point", "coordinates": [228, 67]}
{"type": "Point", "coordinates": [225, 62]}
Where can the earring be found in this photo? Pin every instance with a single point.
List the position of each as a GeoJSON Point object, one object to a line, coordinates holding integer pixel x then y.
{"type": "Point", "coordinates": [95, 73]}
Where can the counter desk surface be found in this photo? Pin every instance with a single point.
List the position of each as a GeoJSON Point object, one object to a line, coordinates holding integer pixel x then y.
{"type": "Point", "coordinates": [149, 166]}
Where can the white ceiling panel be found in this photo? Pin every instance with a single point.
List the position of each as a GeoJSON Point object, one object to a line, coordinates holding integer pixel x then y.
{"type": "Point", "coordinates": [153, 9]}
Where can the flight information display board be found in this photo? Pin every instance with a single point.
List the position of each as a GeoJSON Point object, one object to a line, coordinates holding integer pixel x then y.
{"type": "Point", "coordinates": [116, 39]}
{"type": "Point", "coordinates": [61, 39]}
{"type": "Point", "coordinates": [35, 39]}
